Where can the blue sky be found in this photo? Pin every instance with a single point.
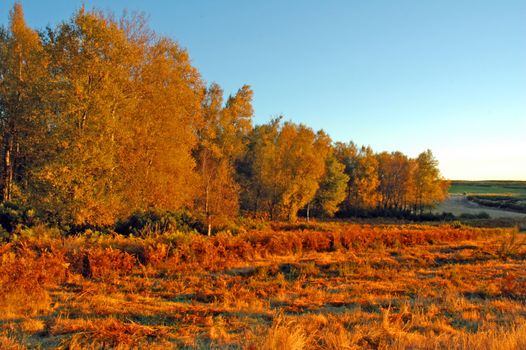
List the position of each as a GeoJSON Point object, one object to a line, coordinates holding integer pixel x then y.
{"type": "Point", "coordinates": [396, 75]}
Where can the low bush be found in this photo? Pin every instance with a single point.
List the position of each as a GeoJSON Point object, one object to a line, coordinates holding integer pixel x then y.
{"type": "Point", "coordinates": [513, 203]}
{"type": "Point", "coordinates": [26, 273]}
{"type": "Point", "coordinates": [479, 215]}
{"type": "Point", "coordinates": [249, 223]}
{"type": "Point", "coordinates": [101, 263]}
{"type": "Point", "coordinates": [153, 222]}
{"type": "Point", "coordinates": [397, 214]}
{"type": "Point", "coordinates": [14, 217]}
{"type": "Point", "coordinates": [510, 244]}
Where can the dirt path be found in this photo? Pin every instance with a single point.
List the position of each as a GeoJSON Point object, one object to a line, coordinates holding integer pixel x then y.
{"type": "Point", "coordinates": [458, 204]}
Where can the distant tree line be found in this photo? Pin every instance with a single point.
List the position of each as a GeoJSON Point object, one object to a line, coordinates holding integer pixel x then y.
{"type": "Point", "coordinates": [101, 118]}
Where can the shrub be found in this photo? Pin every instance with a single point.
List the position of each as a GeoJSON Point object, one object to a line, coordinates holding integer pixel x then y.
{"type": "Point", "coordinates": [108, 262]}
{"type": "Point", "coordinates": [25, 275]}
{"type": "Point", "coordinates": [396, 214]}
{"type": "Point", "coordinates": [12, 217]}
{"type": "Point", "coordinates": [101, 263]}
{"type": "Point", "coordinates": [510, 244]}
{"type": "Point", "coordinates": [147, 222]}
{"type": "Point", "coordinates": [456, 224]}
{"type": "Point", "coordinates": [155, 254]}
{"type": "Point", "coordinates": [479, 215]}
{"type": "Point", "coordinates": [316, 241]}
{"type": "Point", "coordinates": [249, 223]}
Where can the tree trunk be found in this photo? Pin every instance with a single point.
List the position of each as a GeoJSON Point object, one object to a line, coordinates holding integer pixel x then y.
{"type": "Point", "coordinates": [207, 207]}
{"type": "Point", "coordinates": [8, 170]}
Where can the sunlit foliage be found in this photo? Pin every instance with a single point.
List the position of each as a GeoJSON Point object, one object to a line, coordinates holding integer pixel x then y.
{"type": "Point", "coordinates": [101, 118]}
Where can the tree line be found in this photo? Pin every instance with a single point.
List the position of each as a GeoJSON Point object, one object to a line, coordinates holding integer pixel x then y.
{"type": "Point", "coordinates": [101, 117]}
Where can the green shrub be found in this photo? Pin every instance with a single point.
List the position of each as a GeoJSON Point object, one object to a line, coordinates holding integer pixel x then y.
{"type": "Point", "coordinates": [154, 222]}
{"type": "Point", "coordinates": [249, 223]}
{"type": "Point", "coordinates": [479, 215]}
{"type": "Point", "coordinates": [14, 217]}
{"type": "Point", "coordinates": [456, 224]}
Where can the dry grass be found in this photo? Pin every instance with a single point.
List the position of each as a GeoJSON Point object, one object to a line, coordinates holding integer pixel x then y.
{"type": "Point", "coordinates": [317, 286]}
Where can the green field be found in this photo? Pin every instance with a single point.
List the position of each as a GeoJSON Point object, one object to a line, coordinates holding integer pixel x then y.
{"type": "Point", "coordinates": [512, 188]}
{"type": "Point", "coordinates": [498, 199]}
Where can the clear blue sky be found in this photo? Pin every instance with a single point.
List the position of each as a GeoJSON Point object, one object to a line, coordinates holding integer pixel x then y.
{"type": "Point", "coordinates": [447, 75]}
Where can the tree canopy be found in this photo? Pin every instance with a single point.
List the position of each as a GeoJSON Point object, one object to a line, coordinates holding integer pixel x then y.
{"type": "Point", "coordinates": [101, 118]}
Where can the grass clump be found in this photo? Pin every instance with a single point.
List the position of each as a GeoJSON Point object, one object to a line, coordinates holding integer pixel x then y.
{"type": "Point", "coordinates": [510, 244]}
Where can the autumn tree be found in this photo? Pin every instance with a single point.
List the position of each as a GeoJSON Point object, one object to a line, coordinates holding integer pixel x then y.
{"type": "Point", "coordinates": [22, 83]}
{"type": "Point", "coordinates": [346, 154]}
{"type": "Point", "coordinates": [389, 181]}
{"type": "Point", "coordinates": [332, 188]}
{"type": "Point", "coordinates": [89, 63]}
{"type": "Point", "coordinates": [121, 123]}
{"type": "Point", "coordinates": [303, 154]}
{"type": "Point", "coordinates": [394, 173]}
{"type": "Point", "coordinates": [287, 163]}
{"type": "Point", "coordinates": [222, 143]}
{"type": "Point", "coordinates": [430, 188]}
{"type": "Point", "coordinates": [157, 167]}
{"type": "Point", "coordinates": [363, 180]}
{"type": "Point", "coordinates": [260, 194]}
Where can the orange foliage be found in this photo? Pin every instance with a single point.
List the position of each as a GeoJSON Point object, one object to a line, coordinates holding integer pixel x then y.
{"type": "Point", "coordinates": [316, 285]}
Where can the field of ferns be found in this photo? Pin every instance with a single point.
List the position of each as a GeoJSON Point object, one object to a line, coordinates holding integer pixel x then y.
{"type": "Point", "coordinates": [305, 286]}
